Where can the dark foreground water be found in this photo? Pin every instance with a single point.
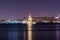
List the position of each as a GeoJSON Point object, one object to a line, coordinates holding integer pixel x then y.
{"type": "Point", "coordinates": [40, 31]}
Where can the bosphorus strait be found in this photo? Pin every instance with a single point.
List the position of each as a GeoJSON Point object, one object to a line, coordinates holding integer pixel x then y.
{"type": "Point", "coordinates": [40, 31]}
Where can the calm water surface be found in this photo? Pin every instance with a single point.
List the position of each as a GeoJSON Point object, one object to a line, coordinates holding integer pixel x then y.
{"type": "Point", "coordinates": [40, 31]}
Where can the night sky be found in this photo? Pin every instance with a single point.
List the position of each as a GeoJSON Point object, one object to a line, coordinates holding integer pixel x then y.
{"type": "Point", "coordinates": [21, 8]}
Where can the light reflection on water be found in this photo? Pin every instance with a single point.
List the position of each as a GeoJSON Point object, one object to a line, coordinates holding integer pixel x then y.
{"type": "Point", "coordinates": [39, 32]}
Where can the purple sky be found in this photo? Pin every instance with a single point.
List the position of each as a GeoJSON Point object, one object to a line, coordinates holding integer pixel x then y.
{"type": "Point", "coordinates": [21, 8]}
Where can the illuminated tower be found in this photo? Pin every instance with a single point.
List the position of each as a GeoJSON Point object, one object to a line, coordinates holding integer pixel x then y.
{"type": "Point", "coordinates": [29, 20]}
{"type": "Point", "coordinates": [29, 23]}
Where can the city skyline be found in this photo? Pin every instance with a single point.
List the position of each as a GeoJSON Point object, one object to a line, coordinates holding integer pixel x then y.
{"type": "Point", "coordinates": [21, 8]}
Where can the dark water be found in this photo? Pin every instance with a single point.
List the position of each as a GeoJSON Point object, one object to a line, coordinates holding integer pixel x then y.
{"type": "Point", "coordinates": [40, 31]}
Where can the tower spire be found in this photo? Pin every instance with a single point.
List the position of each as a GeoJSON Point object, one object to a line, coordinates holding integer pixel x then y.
{"type": "Point", "coordinates": [30, 15]}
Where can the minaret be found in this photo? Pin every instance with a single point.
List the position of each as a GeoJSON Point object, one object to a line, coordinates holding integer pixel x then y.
{"type": "Point", "coordinates": [29, 23]}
